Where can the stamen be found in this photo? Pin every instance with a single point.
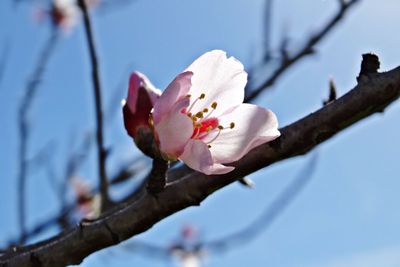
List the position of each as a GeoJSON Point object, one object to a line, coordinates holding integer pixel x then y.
{"type": "Point", "coordinates": [213, 106]}
{"type": "Point", "coordinates": [205, 110]}
{"type": "Point", "coordinates": [220, 129]}
{"type": "Point", "coordinates": [212, 140]}
{"type": "Point", "coordinates": [199, 115]}
{"type": "Point", "coordinates": [209, 146]}
{"type": "Point", "coordinates": [202, 96]}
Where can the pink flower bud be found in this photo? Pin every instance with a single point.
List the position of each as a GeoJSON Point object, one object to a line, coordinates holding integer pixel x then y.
{"type": "Point", "coordinates": [141, 98]}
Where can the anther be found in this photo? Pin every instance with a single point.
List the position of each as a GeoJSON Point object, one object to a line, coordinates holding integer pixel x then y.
{"type": "Point", "coordinates": [199, 115]}
{"type": "Point", "coordinates": [150, 120]}
{"type": "Point", "coordinates": [202, 96]}
{"type": "Point", "coordinates": [188, 95]}
{"type": "Point", "coordinates": [214, 105]}
{"type": "Point", "coordinates": [232, 125]}
{"type": "Point", "coordinates": [220, 127]}
{"type": "Point", "coordinates": [209, 146]}
{"type": "Point", "coordinates": [205, 110]}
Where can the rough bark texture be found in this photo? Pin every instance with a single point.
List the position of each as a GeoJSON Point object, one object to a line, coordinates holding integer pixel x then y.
{"type": "Point", "coordinates": [372, 94]}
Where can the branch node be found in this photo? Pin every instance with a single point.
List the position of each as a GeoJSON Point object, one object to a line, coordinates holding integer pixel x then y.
{"type": "Point", "coordinates": [82, 224]}
{"type": "Point", "coordinates": [247, 182]}
{"type": "Point", "coordinates": [332, 93]}
{"type": "Point", "coordinates": [158, 176]}
{"type": "Point", "coordinates": [369, 65]}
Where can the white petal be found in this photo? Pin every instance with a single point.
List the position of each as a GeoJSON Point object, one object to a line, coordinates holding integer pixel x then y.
{"type": "Point", "coordinates": [253, 126]}
{"type": "Point", "coordinates": [221, 79]}
{"type": "Point", "coordinates": [198, 157]}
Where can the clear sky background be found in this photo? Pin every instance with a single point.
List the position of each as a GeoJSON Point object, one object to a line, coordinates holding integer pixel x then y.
{"type": "Point", "coordinates": [347, 216]}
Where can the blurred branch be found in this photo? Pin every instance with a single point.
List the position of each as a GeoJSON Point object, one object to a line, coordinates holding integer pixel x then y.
{"type": "Point", "coordinates": [73, 162]}
{"type": "Point", "coordinates": [124, 221]}
{"type": "Point", "coordinates": [307, 49]}
{"type": "Point", "coordinates": [3, 59]}
{"type": "Point", "coordinates": [23, 127]}
{"type": "Point", "coordinates": [269, 215]}
{"type": "Point", "coordinates": [101, 155]}
{"type": "Point", "coordinates": [267, 30]}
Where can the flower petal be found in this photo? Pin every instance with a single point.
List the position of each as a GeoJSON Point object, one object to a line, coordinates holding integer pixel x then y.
{"type": "Point", "coordinates": [174, 130]}
{"type": "Point", "coordinates": [221, 79]}
{"type": "Point", "coordinates": [253, 126]}
{"type": "Point", "coordinates": [175, 91]}
{"type": "Point", "coordinates": [137, 82]}
{"type": "Point", "coordinates": [198, 157]}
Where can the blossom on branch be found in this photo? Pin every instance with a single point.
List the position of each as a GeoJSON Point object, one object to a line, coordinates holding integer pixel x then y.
{"type": "Point", "coordinates": [201, 119]}
{"type": "Point", "coordinates": [140, 101]}
{"type": "Point", "coordinates": [87, 203]}
{"type": "Point", "coordinates": [64, 14]}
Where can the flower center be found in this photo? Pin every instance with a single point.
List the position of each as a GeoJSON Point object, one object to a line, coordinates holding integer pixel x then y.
{"type": "Point", "coordinates": [203, 123]}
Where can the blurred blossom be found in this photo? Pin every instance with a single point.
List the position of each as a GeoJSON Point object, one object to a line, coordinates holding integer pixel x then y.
{"type": "Point", "coordinates": [87, 203]}
{"type": "Point", "coordinates": [64, 14]}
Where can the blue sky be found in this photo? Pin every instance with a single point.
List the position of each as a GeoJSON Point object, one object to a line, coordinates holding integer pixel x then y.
{"type": "Point", "coordinates": [347, 215]}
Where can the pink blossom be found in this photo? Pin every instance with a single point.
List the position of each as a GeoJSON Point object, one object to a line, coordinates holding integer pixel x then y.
{"type": "Point", "coordinates": [87, 203]}
{"type": "Point", "coordinates": [140, 101]}
{"type": "Point", "coordinates": [64, 14]}
{"type": "Point", "coordinates": [201, 118]}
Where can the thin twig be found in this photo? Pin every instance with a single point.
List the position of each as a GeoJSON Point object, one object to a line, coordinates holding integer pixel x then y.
{"type": "Point", "coordinates": [270, 214]}
{"type": "Point", "coordinates": [101, 155]}
{"type": "Point", "coordinates": [306, 50]}
{"type": "Point", "coordinates": [23, 126]}
{"type": "Point", "coordinates": [3, 59]}
{"type": "Point", "coordinates": [267, 30]}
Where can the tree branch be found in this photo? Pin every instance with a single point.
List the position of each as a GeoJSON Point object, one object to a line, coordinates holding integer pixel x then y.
{"type": "Point", "coordinates": [101, 155]}
{"type": "Point", "coordinates": [306, 50]}
{"type": "Point", "coordinates": [127, 220]}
